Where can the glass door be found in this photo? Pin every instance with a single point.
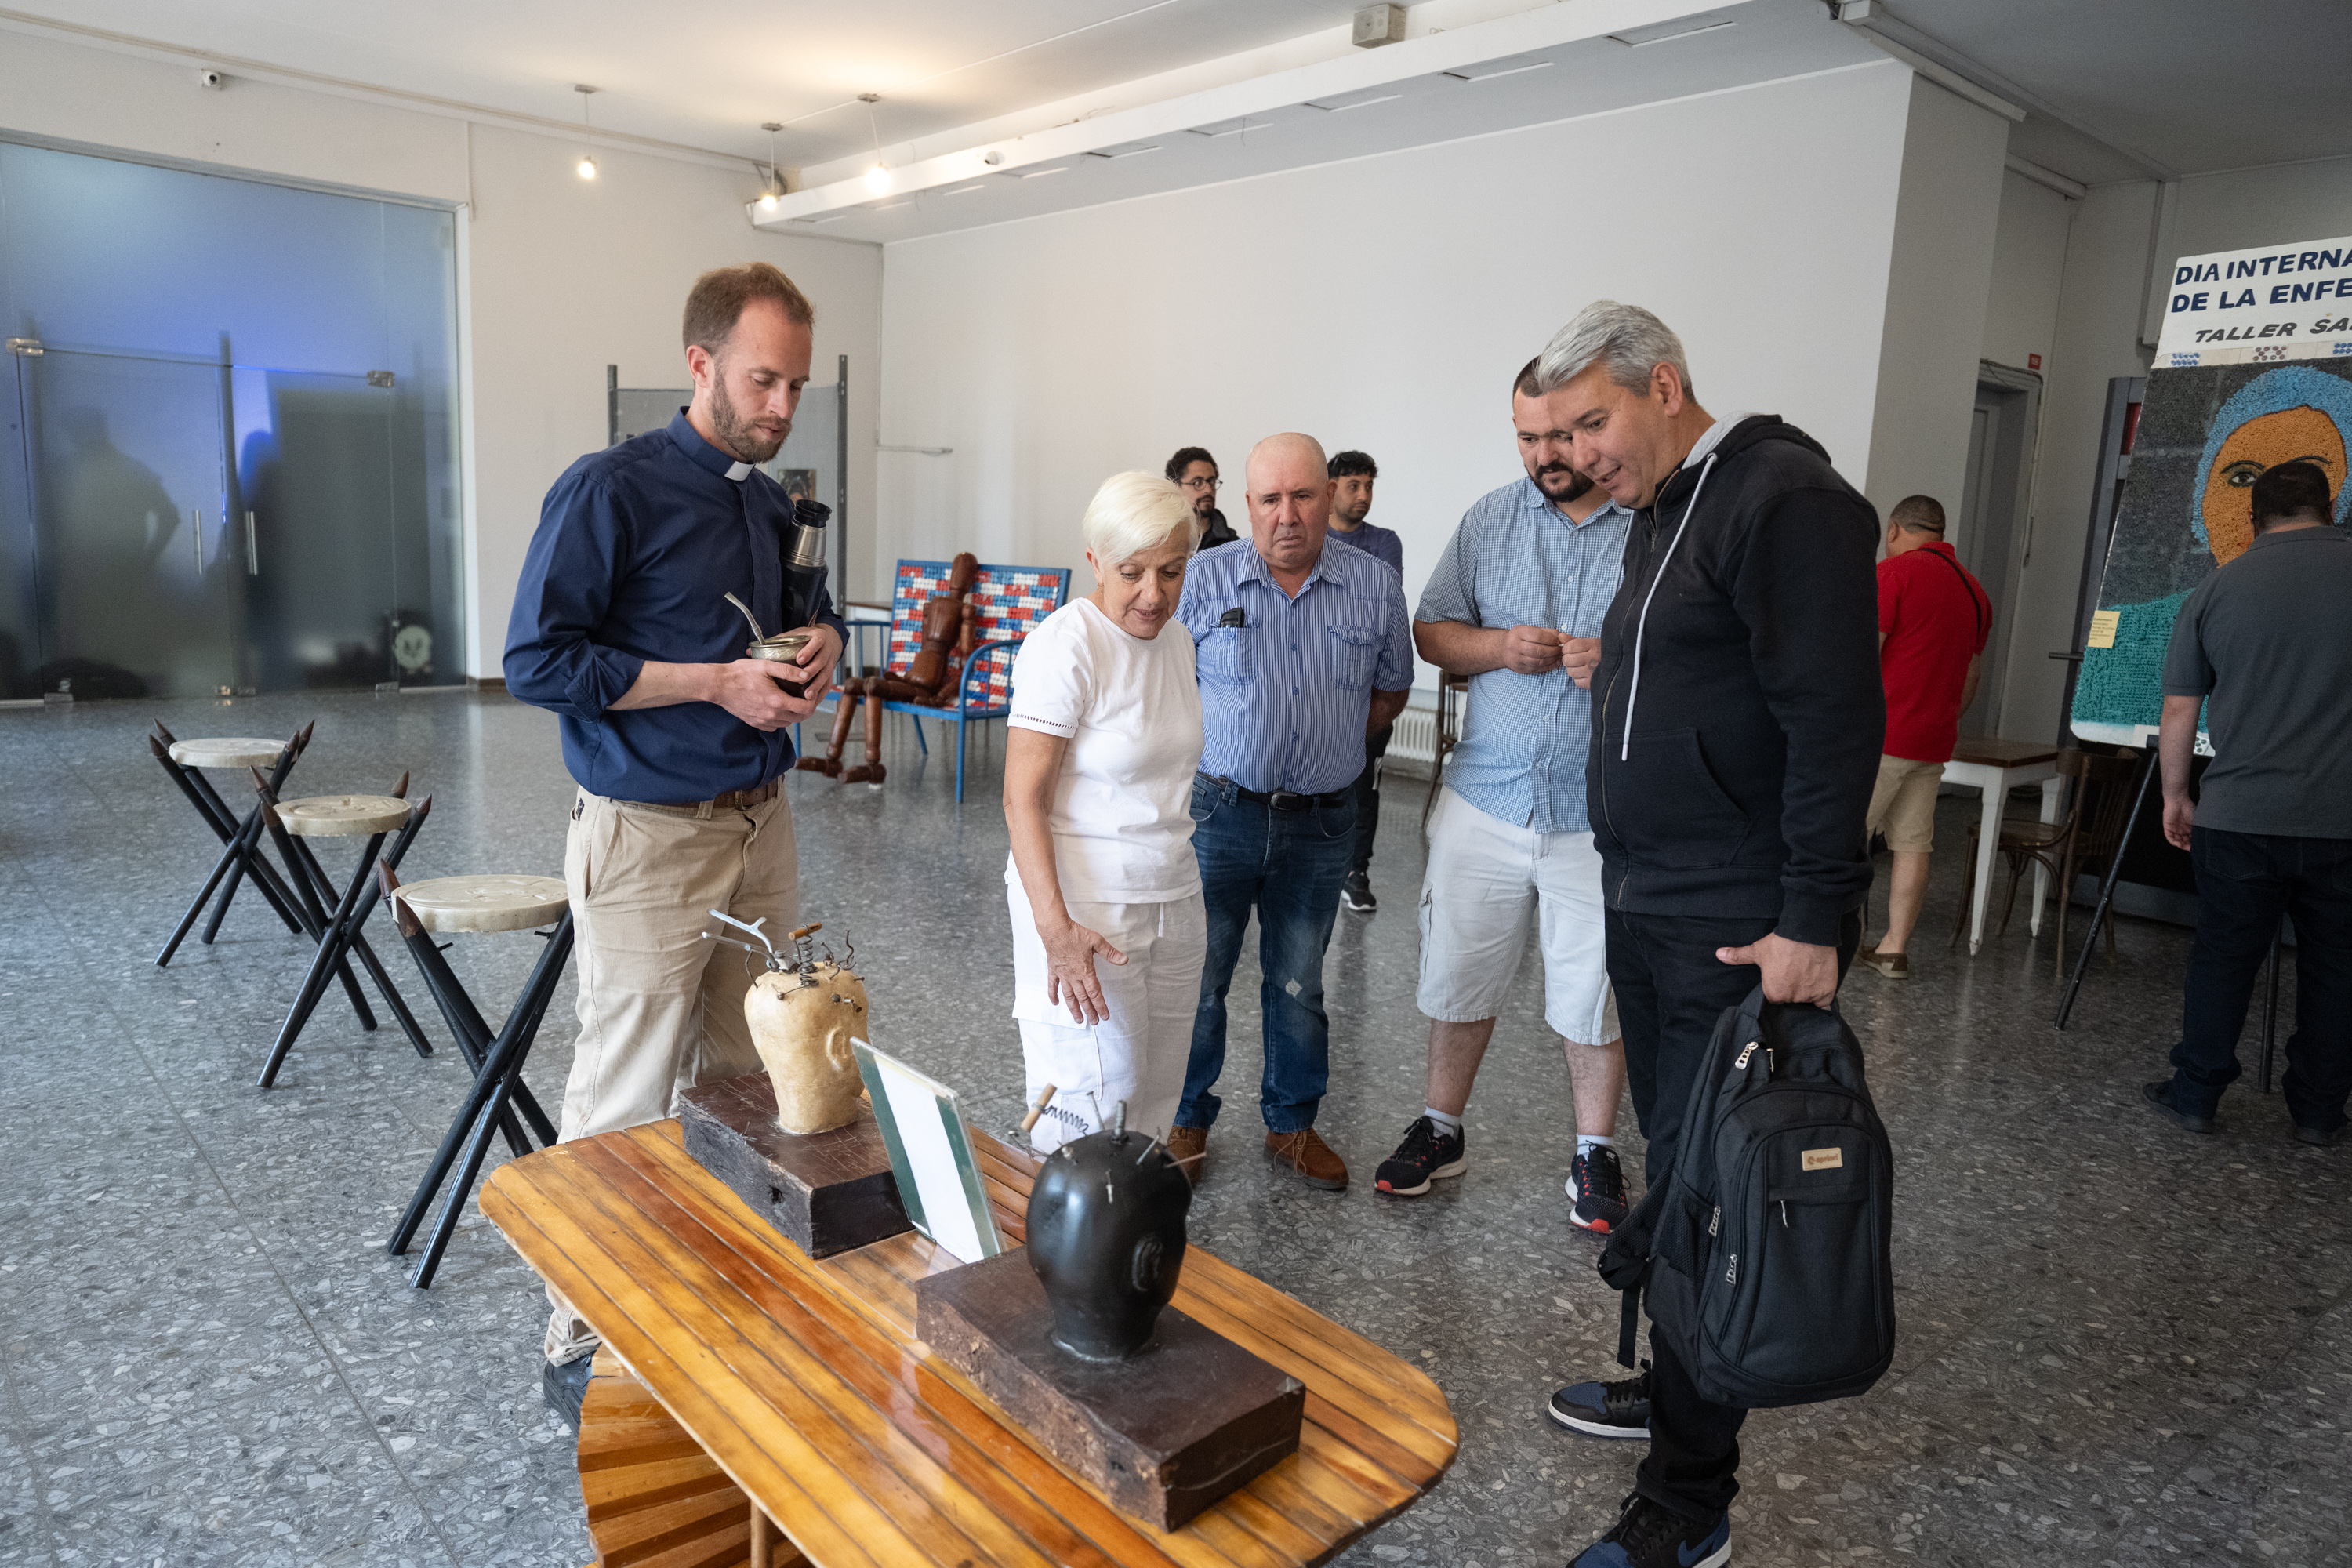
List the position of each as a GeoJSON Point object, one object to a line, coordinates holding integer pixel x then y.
{"type": "Point", "coordinates": [122, 501]}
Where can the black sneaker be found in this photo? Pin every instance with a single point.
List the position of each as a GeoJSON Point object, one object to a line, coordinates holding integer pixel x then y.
{"type": "Point", "coordinates": [565, 1387]}
{"type": "Point", "coordinates": [2159, 1095]}
{"type": "Point", "coordinates": [1356, 892]}
{"type": "Point", "coordinates": [1647, 1536]}
{"type": "Point", "coordinates": [2318, 1137]}
{"type": "Point", "coordinates": [1427, 1154]}
{"type": "Point", "coordinates": [1619, 1409]}
{"type": "Point", "coordinates": [1598, 1185]}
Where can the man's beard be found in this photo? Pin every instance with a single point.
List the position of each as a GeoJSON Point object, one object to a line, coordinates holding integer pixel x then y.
{"type": "Point", "coordinates": [1547, 479]}
{"type": "Point", "coordinates": [734, 432]}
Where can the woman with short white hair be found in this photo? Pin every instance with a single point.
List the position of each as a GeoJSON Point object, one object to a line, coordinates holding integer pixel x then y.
{"type": "Point", "coordinates": [1107, 923]}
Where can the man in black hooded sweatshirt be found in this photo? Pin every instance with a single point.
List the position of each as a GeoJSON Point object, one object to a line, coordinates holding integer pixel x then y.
{"type": "Point", "coordinates": [1737, 726]}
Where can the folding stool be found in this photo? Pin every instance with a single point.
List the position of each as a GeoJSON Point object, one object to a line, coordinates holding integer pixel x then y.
{"type": "Point", "coordinates": [334, 918]}
{"type": "Point", "coordinates": [480, 904]}
{"type": "Point", "coordinates": [241, 841]}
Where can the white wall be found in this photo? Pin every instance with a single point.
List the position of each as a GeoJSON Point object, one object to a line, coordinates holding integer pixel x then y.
{"type": "Point", "coordinates": [1936, 289]}
{"type": "Point", "coordinates": [2029, 264]}
{"type": "Point", "coordinates": [570, 276]}
{"type": "Point", "coordinates": [561, 277]}
{"type": "Point", "coordinates": [1386, 303]}
{"type": "Point", "coordinates": [2097, 337]}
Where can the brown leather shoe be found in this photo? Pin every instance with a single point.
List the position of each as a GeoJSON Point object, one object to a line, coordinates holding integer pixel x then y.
{"type": "Point", "coordinates": [1305, 1153]}
{"type": "Point", "coordinates": [1189, 1147]}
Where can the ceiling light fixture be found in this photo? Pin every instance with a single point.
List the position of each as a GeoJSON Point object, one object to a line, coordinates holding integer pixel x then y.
{"type": "Point", "coordinates": [775, 182]}
{"type": "Point", "coordinates": [587, 164]}
{"type": "Point", "coordinates": [878, 178]}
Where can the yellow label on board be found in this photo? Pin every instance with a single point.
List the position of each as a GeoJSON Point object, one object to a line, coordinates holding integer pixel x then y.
{"type": "Point", "coordinates": [1824, 1159]}
{"type": "Point", "coordinates": [2102, 627]}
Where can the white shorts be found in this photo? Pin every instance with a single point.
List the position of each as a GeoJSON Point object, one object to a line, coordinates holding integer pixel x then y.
{"type": "Point", "coordinates": [1140, 1054]}
{"type": "Point", "coordinates": [1485, 878]}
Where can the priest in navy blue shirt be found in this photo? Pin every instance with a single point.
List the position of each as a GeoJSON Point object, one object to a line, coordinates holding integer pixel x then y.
{"type": "Point", "coordinates": [1303, 648]}
{"type": "Point", "coordinates": [622, 629]}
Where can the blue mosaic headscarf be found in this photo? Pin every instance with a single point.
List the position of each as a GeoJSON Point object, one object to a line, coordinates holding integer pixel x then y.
{"type": "Point", "coordinates": [2275, 392]}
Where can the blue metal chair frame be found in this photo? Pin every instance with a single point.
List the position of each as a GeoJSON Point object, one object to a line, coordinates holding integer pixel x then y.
{"type": "Point", "coordinates": [1055, 580]}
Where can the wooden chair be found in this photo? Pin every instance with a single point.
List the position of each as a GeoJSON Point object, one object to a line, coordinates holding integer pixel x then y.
{"type": "Point", "coordinates": [1007, 601]}
{"type": "Point", "coordinates": [1453, 692]}
{"type": "Point", "coordinates": [2086, 835]}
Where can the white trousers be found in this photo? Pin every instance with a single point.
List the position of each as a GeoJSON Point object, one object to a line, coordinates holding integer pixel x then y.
{"type": "Point", "coordinates": [1138, 1054]}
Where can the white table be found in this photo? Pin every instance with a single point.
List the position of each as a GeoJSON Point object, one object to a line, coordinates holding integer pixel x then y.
{"type": "Point", "coordinates": [1996, 767]}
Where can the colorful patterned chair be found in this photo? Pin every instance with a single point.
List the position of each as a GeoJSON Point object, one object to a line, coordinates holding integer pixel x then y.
{"type": "Point", "coordinates": [1008, 601]}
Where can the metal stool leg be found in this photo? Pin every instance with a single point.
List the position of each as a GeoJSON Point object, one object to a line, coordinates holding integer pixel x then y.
{"type": "Point", "coordinates": [200, 791]}
{"type": "Point", "coordinates": [464, 1021]}
{"type": "Point", "coordinates": [239, 841]}
{"type": "Point", "coordinates": [340, 935]}
{"type": "Point", "coordinates": [307, 881]}
{"type": "Point", "coordinates": [472, 1128]}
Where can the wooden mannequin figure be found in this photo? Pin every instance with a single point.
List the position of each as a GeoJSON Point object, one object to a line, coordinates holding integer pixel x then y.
{"type": "Point", "coordinates": [951, 631]}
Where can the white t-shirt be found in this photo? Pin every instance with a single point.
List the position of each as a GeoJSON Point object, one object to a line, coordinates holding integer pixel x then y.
{"type": "Point", "coordinates": [1130, 707]}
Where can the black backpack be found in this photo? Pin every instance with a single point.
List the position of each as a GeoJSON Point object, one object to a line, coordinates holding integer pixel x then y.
{"type": "Point", "coordinates": [1765, 1250]}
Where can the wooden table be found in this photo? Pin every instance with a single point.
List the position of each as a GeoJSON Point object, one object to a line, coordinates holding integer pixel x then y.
{"type": "Point", "coordinates": [804, 1384]}
{"type": "Point", "coordinates": [1996, 767]}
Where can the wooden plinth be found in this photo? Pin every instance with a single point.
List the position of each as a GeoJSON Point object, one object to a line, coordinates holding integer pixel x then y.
{"type": "Point", "coordinates": [826, 1193]}
{"type": "Point", "coordinates": [1164, 1434]}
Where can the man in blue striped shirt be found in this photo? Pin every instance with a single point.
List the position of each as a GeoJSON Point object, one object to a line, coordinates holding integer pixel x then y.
{"type": "Point", "coordinates": [1302, 651]}
{"type": "Point", "coordinates": [1515, 604]}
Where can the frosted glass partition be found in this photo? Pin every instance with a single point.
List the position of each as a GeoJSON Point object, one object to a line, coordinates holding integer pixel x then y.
{"type": "Point", "coordinates": [298, 347]}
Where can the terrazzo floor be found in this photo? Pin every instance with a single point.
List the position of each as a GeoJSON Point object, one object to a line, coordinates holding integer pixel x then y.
{"type": "Point", "coordinates": [2120, 1344]}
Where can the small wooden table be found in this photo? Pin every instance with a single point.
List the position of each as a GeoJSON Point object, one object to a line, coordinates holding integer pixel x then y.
{"type": "Point", "coordinates": [1996, 767]}
{"type": "Point", "coordinates": [802, 1382]}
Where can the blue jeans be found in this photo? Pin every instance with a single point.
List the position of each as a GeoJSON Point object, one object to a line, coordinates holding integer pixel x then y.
{"type": "Point", "coordinates": [1289, 864]}
{"type": "Point", "coordinates": [2244, 882]}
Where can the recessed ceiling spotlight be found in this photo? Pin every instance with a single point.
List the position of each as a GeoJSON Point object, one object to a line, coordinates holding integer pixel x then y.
{"type": "Point", "coordinates": [587, 168]}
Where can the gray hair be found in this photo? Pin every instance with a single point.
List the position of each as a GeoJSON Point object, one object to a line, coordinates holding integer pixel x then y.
{"type": "Point", "coordinates": [1136, 511]}
{"type": "Point", "coordinates": [1628, 339]}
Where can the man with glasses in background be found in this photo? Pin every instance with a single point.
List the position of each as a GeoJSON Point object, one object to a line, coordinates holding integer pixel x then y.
{"type": "Point", "coordinates": [1195, 473]}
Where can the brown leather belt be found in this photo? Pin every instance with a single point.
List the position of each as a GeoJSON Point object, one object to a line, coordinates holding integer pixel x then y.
{"type": "Point", "coordinates": [732, 800]}
{"type": "Point", "coordinates": [739, 799]}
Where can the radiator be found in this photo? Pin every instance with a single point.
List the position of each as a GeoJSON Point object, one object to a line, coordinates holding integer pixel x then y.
{"type": "Point", "coordinates": [1413, 745]}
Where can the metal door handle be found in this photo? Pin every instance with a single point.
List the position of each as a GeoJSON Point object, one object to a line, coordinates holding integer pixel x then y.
{"type": "Point", "coordinates": [252, 550]}
{"type": "Point", "coordinates": [196, 517]}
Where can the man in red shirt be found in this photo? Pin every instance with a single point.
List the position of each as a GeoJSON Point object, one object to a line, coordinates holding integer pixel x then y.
{"type": "Point", "coordinates": [1933, 619]}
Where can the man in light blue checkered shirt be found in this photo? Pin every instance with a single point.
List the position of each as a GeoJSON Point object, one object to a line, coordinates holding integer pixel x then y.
{"type": "Point", "coordinates": [1515, 604]}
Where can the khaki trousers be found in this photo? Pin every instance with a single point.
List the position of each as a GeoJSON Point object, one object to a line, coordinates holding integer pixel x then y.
{"type": "Point", "coordinates": [660, 1009]}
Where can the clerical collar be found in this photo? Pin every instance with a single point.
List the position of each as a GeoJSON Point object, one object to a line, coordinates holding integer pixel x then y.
{"type": "Point", "coordinates": [703, 454]}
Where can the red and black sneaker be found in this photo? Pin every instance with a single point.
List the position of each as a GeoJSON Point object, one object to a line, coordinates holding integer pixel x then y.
{"type": "Point", "coordinates": [1428, 1153]}
{"type": "Point", "coordinates": [1598, 1185]}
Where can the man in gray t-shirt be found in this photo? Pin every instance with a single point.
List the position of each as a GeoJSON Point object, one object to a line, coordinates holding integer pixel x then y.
{"type": "Point", "coordinates": [2264, 647]}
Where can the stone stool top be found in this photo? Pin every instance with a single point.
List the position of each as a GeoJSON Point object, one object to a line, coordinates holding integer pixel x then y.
{"type": "Point", "coordinates": [342, 816]}
{"type": "Point", "coordinates": [227, 752]}
{"type": "Point", "coordinates": [484, 903]}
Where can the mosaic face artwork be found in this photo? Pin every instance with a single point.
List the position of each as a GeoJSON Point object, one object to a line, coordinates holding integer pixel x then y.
{"type": "Point", "coordinates": [2206, 432]}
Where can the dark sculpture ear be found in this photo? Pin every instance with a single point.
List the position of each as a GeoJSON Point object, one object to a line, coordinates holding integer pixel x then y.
{"type": "Point", "coordinates": [1143, 1267]}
